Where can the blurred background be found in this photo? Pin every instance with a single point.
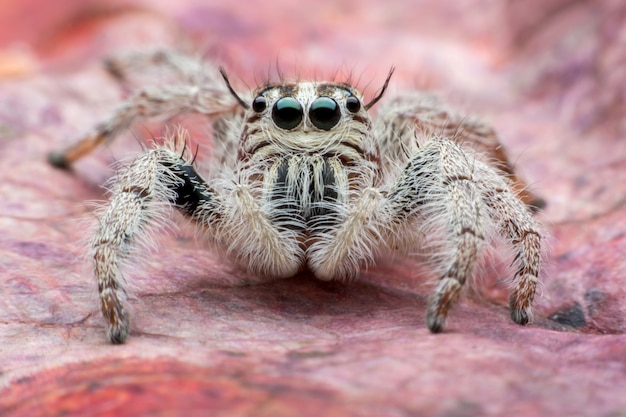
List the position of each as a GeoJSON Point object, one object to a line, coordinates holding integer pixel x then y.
{"type": "Point", "coordinates": [550, 75]}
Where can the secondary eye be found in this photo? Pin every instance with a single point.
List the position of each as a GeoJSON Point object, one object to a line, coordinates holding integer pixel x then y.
{"type": "Point", "coordinates": [259, 104]}
{"type": "Point", "coordinates": [287, 113]}
{"type": "Point", "coordinates": [324, 113]}
{"type": "Point", "coordinates": [353, 104]}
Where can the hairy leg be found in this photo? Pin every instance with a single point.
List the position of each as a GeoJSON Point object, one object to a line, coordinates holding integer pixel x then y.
{"type": "Point", "coordinates": [524, 234]}
{"type": "Point", "coordinates": [179, 68]}
{"type": "Point", "coordinates": [150, 102]}
{"type": "Point", "coordinates": [162, 63]}
{"type": "Point", "coordinates": [354, 242]}
{"type": "Point", "coordinates": [137, 204]}
{"type": "Point", "coordinates": [162, 178]}
{"type": "Point", "coordinates": [405, 117]}
{"type": "Point", "coordinates": [437, 194]}
{"type": "Point", "coordinates": [193, 87]}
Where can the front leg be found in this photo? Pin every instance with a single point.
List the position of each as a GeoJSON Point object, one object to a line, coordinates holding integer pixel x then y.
{"type": "Point", "coordinates": [436, 199]}
{"type": "Point", "coordinates": [447, 194]}
{"type": "Point", "coordinates": [142, 194]}
{"type": "Point", "coordinates": [144, 191]}
{"type": "Point", "coordinates": [356, 241]}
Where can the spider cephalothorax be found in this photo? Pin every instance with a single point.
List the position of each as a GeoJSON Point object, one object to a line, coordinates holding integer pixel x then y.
{"type": "Point", "coordinates": [309, 181]}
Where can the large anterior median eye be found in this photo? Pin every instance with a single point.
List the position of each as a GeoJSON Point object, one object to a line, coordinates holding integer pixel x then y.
{"type": "Point", "coordinates": [287, 113]}
{"type": "Point", "coordinates": [324, 113]}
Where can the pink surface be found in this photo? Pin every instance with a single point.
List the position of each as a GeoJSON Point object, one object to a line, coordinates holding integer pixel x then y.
{"type": "Point", "coordinates": [205, 337]}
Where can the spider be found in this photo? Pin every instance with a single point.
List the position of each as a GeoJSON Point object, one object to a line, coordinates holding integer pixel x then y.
{"type": "Point", "coordinates": [309, 181]}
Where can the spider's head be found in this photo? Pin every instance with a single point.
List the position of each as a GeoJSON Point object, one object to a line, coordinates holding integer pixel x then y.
{"type": "Point", "coordinates": [308, 106]}
{"type": "Point", "coordinates": [308, 117]}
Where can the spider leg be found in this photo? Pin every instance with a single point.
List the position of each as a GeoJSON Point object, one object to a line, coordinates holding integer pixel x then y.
{"type": "Point", "coordinates": [406, 116]}
{"type": "Point", "coordinates": [183, 67]}
{"type": "Point", "coordinates": [159, 101]}
{"type": "Point", "coordinates": [354, 241]}
{"type": "Point", "coordinates": [438, 194]}
{"type": "Point", "coordinates": [444, 188]}
{"type": "Point", "coordinates": [143, 192]}
{"type": "Point", "coordinates": [523, 233]}
{"type": "Point", "coordinates": [344, 230]}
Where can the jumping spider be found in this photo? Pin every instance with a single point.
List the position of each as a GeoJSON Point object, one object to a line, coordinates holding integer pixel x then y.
{"type": "Point", "coordinates": [310, 182]}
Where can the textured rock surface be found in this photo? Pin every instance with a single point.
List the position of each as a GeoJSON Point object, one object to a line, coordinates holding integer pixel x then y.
{"type": "Point", "coordinates": [207, 338]}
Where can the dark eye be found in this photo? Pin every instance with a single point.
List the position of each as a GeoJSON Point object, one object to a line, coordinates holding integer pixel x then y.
{"type": "Point", "coordinates": [324, 113]}
{"type": "Point", "coordinates": [353, 104]}
{"type": "Point", "coordinates": [287, 113]}
{"type": "Point", "coordinates": [259, 104]}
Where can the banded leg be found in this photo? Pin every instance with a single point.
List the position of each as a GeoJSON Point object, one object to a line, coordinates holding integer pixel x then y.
{"type": "Point", "coordinates": [180, 66]}
{"type": "Point", "coordinates": [138, 201]}
{"type": "Point", "coordinates": [438, 187]}
{"type": "Point", "coordinates": [405, 117]}
{"type": "Point", "coordinates": [155, 181]}
{"type": "Point", "coordinates": [150, 102]}
{"type": "Point", "coordinates": [524, 234]}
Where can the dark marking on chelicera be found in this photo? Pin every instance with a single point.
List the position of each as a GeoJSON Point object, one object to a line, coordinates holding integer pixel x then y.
{"type": "Point", "coordinates": [324, 216]}
{"type": "Point", "coordinates": [330, 188]}
{"type": "Point", "coordinates": [279, 189]}
{"type": "Point", "coordinates": [285, 212]}
{"type": "Point", "coordinates": [287, 194]}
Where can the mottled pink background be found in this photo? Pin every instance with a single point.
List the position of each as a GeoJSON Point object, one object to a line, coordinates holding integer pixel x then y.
{"type": "Point", "coordinates": [207, 340]}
